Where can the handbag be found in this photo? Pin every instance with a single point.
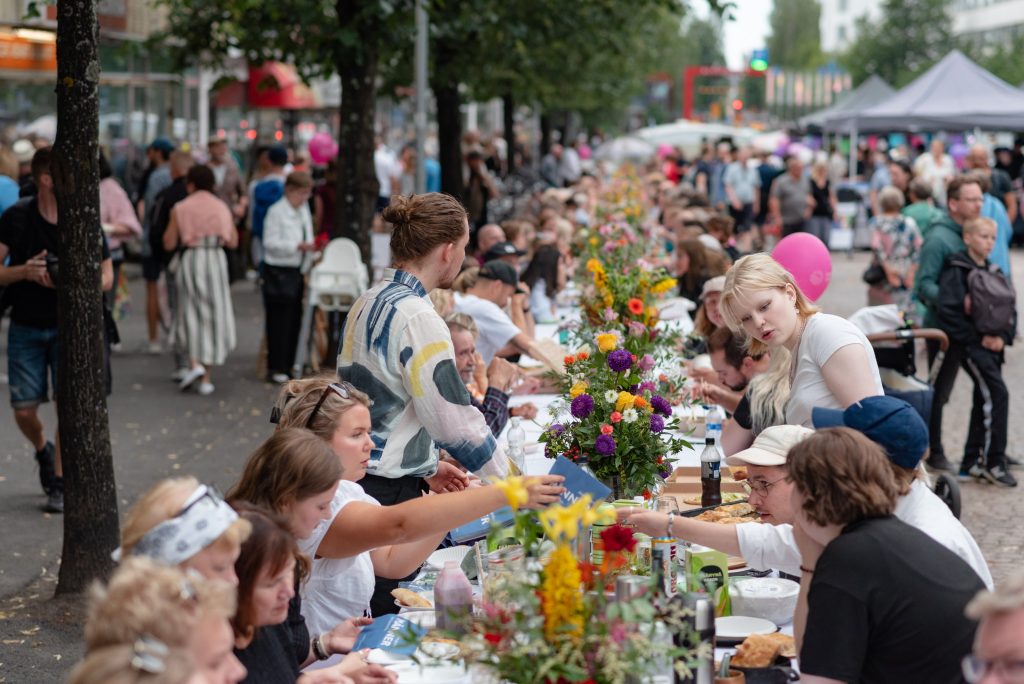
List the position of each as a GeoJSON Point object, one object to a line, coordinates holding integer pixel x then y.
{"type": "Point", "coordinates": [874, 274]}
{"type": "Point", "coordinates": [282, 283]}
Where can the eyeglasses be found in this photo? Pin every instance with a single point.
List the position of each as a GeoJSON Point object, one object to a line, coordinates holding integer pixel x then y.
{"type": "Point", "coordinates": [1008, 671]}
{"type": "Point", "coordinates": [761, 487]}
{"type": "Point", "coordinates": [340, 390]}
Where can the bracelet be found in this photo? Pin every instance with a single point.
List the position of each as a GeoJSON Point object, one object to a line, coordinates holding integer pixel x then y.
{"type": "Point", "coordinates": [809, 571]}
{"type": "Point", "coordinates": [318, 649]}
{"type": "Point", "coordinates": [668, 530]}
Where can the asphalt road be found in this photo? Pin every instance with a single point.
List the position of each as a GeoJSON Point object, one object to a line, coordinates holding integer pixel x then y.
{"type": "Point", "coordinates": [158, 431]}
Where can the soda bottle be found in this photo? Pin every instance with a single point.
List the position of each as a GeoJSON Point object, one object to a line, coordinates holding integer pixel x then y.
{"type": "Point", "coordinates": [453, 599]}
{"type": "Point", "coordinates": [517, 444]}
{"type": "Point", "coordinates": [710, 474]}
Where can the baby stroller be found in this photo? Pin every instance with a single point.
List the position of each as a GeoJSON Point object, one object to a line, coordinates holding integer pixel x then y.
{"type": "Point", "coordinates": [895, 350]}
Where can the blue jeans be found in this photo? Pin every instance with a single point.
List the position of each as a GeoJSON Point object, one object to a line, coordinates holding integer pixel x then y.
{"type": "Point", "coordinates": [30, 352]}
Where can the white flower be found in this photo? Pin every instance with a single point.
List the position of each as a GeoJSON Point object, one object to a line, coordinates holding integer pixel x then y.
{"type": "Point", "coordinates": [611, 396]}
{"type": "Point", "coordinates": [630, 415]}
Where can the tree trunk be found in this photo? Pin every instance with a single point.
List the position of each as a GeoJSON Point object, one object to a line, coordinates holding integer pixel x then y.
{"type": "Point", "coordinates": [545, 134]}
{"type": "Point", "coordinates": [357, 178]}
{"type": "Point", "coordinates": [508, 113]}
{"type": "Point", "coordinates": [449, 138]}
{"type": "Point", "coordinates": [90, 499]}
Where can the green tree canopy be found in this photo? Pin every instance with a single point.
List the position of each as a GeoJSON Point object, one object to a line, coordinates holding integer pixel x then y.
{"type": "Point", "coordinates": [795, 39]}
{"type": "Point", "coordinates": [908, 38]}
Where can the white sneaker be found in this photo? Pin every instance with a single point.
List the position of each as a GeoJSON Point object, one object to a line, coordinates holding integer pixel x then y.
{"type": "Point", "coordinates": [179, 375]}
{"type": "Point", "coordinates": [206, 388]}
{"type": "Point", "coordinates": [280, 378]}
{"type": "Point", "coordinates": [191, 376]}
{"type": "Point", "coordinates": [154, 347]}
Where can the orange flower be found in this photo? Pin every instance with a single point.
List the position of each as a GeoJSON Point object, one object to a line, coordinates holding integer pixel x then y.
{"type": "Point", "coordinates": [636, 307]}
{"type": "Point", "coordinates": [569, 360]}
{"type": "Point", "coordinates": [639, 402]}
{"type": "Point", "coordinates": [607, 429]}
{"type": "Point", "coordinates": [582, 356]}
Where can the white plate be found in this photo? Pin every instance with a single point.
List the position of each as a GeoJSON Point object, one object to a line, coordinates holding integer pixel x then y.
{"type": "Point", "coordinates": [429, 595]}
{"type": "Point", "coordinates": [675, 308]}
{"type": "Point", "coordinates": [437, 559]}
{"type": "Point", "coordinates": [740, 627]}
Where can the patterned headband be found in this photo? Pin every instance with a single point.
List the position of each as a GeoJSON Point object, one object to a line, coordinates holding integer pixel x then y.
{"type": "Point", "coordinates": [203, 518]}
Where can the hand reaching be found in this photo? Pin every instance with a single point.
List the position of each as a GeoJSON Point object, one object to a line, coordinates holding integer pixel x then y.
{"type": "Point", "coordinates": [449, 478]}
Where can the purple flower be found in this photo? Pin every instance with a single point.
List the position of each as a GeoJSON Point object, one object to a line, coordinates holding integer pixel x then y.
{"type": "Point", "coordinates": [657, 423]}
{"type": "Point", "coordinates": [661, 405]}
{"type": "Point", "coordinates": [620, 360]}
{"type": "Point", "coordinates": [557, 428]}
{"type": "Point", "coordinates": [666, 472]}
{"type": "Point", "coordinates": [605, 445]}
{"type": "Point", "coordinates": [634, 389]}
{"type": "Point", "coordinates": [582, 406]}
{"type": "Point", "coordinates": [637, 329]}
{"type": "Point", "coordinates": [646, 362]}
{"type": "Point", "coordinates": [610, 315]}
{"type": "Point", "coordinates": [647, 385]}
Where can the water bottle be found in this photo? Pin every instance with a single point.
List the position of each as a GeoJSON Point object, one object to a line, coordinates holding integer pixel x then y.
{"type": "Point", "coordinates": [563, 331]}
{"type": "Point", "coordinates": [517, 444]}
{"type": "Point", "coordinates": [453, 599]}
{"type": "Point", "coordinates": [710, 474]}
{"type": "Point", "coordinates": [713, 423]}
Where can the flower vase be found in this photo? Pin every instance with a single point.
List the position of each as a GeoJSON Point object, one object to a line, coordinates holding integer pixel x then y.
{"type": "Point", "coordinates": [613, 483]}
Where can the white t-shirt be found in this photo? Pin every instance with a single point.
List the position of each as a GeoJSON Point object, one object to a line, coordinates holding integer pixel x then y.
{"type": "Point", "coordinates": [337, 588]}
{"type": "Point", "coordinates": [823, 336]}
{"type": "Point", "coordinates": [386, 166]}
{"type": "Point", "coordinates": [767, 547]}
{"type": "Point", "coordinates": [496, 328]}
{"type": "Point", "coordinates": [922, 509]}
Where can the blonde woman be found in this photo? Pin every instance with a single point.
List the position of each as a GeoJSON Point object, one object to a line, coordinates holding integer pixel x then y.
{"type": "Point", "coordinates": [147, 599]}
{"type": "Point", "coordinates": [831, 363]}
{"type": "Point", "coordinates": [146, 661]}
{"type": "Point", "coordinates": [184, 523]}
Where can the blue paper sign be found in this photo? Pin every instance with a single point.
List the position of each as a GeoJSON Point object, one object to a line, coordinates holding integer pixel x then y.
{"type": "Point", "coordinates": [391, 633]}
{"type": "Point", "coordinates": [578, 482]}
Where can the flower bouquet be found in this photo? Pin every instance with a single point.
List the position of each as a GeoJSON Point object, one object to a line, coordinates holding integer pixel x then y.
{"type": "Point", "coordinates": [555, 623]}
{"type": "Point", "coordinates": [618, 422]}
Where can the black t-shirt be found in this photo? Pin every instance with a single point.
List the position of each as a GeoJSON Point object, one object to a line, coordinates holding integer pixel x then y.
{"type": "Point", "coordinates": [275, 653]}
{"type": "Point", "coordinates": [886, 604]}
{"type": "Point", "coordinates": [822, 199]}
{"type": "Point", "coordinates": [1001, 184]}
{"type": "Point", "coordinates": [26, 233]}
{"type": "Point", "coordinates": [742, 413]}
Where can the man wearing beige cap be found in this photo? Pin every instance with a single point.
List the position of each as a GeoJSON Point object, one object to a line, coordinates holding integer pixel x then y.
{"type": "Point", "coordinates": [763, 546]}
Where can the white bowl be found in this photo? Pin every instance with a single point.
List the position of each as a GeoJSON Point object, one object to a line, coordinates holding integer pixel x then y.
{"type": "Point", "coordinates": [771, 598]}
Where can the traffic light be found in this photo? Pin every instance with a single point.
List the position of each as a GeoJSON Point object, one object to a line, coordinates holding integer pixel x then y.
{"type": "Point", "coordinates": [737, 105]}
{"type": "Point", "coordinates": [759, 60]}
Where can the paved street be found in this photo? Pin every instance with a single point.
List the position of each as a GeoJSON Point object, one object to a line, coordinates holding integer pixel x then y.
{"type": "Point", "coordinates": [158, 431]}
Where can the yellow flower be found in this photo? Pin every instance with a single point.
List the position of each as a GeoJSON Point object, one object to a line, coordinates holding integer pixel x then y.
{"type": "Point", "coordinates": [608, 299]}
{"type": "Point", "coordinates": [578, 389]}
{"type": "Point", "coordinates": [561, 599]}
{"type": "Point", "coordinates": [601, 280]}
{"type": "Point", "coordinates": [560, 523]}
{"type": "Point", "coordinates": [606, 342]}
{"type": "Point", "coordinates": [514, 489]}
{"type": "Point", "coordinates": [664, 285]}
{"type": "Point", "coordinates": [599, 514]}
{"type": "Point", "coordinates": [594, 241]}
{"type": "Point", "coordinates": [594, 266]}
{"type": "Point", "coordinates": [624, 402]}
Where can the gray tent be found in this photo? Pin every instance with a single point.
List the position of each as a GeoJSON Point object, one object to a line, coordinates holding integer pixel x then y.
{"type": "Point", "coordinates": [954, 95]}
{"type": "Point", "coordinates": [867, 94]}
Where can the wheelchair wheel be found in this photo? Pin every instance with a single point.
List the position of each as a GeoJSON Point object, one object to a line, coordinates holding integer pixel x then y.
{"type": "Point", "coordinates": [948, 489]}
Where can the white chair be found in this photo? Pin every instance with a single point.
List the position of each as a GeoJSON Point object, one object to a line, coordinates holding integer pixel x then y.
{"type": "Point", "coordinates": [334, 285]}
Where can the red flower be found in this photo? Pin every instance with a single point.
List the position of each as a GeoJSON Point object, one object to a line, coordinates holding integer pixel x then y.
{"type": "Point", "coordinates": [607, 429]}
{"type": "Point", "coordinates": [647, 495]}
{"type": "Point", "coordinates": [492, 638]}
{"type": "Point", "coordinates": [582, 356]}
{"type": "Point", "coordinates": [636, 307]}
{"type": "Point", "coordinates": [569, 360]}
{"type": "Point", "coordinates": [618, 538]}
{"type": "Point", "coordinates": [615, 417]}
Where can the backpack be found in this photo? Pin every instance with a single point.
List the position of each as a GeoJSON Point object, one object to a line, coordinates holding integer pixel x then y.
{"type": "Point", "coordinates": [993, 300]}
{"type": "Point", "coordinates": [265, 194]}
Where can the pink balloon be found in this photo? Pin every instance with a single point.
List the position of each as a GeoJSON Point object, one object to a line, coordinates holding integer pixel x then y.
{"type": "Point", "coordinates": [808, 260]}
{"type": "Point", "coordinates": [322, 148]}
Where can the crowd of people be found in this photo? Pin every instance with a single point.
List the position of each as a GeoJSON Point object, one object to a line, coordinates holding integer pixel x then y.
{"type": "Point", "coordinates": [366, 472]}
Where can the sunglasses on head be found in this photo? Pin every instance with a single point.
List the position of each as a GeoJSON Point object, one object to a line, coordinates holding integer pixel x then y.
{"type": "Point", "coordinates": [338, 388]}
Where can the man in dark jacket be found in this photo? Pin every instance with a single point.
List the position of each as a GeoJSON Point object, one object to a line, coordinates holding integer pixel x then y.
{"type": "Point", "coordinates": [964, 201]}
{"type": "Point", "coordinates": [981, 355]}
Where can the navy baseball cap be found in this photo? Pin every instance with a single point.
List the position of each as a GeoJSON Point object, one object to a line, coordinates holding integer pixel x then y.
{"type": "Point", "coordinates": [502, 249]}
{"type": "Point", "coordinates": [277, 155]}
{"type": "Point", "coordinates": [163, 145]}
{"type": "Point", "coordinates": [892, 423]}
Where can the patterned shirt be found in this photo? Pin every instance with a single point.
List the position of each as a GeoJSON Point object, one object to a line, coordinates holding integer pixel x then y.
{"type": "Point", "coordinates": [399, 351]}
{"type": "Point", "coordinates": [495, 409]}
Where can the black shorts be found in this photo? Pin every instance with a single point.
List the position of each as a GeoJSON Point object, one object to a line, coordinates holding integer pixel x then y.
{"type": "Point", "coordinates": [151, 267]}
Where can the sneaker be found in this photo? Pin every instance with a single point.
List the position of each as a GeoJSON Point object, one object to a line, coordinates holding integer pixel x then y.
{"type": "Point", "coordinates": [55, 499]}
{"type": "Point", "coordinates": [179, 375]}
{"type": "Point", "coordinates": [280, 378]}
{"type": "Point", "coordinates": [975, 472]}
{"type": "Point", "coordinates": [998, 475]}
{"type": "Point", "coordinates": [206, 388]}
{"type": "Point", "coordinates": [154, 347]}
{"type": "Point", "coordinates": [191, 376]}
{"type": "Point", "coordinates": [939, 462]}
{"type": "Point", "coordinates": [1012, 462]}
{"type": "Point", "coordinates": [44, 458]}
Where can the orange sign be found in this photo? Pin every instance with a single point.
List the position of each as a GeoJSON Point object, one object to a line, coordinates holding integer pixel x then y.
{"type": "Point", "coordinates": [18, 54]}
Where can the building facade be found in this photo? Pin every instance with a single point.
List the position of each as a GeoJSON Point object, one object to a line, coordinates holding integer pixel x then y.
{"type": "Point", "coordinates": [988, 21]}
{"type": "Point", "coordinates": [839, 21]}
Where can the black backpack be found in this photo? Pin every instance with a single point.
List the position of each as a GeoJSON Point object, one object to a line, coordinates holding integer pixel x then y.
{"type": "Point", "coordinates": [993, 300]}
